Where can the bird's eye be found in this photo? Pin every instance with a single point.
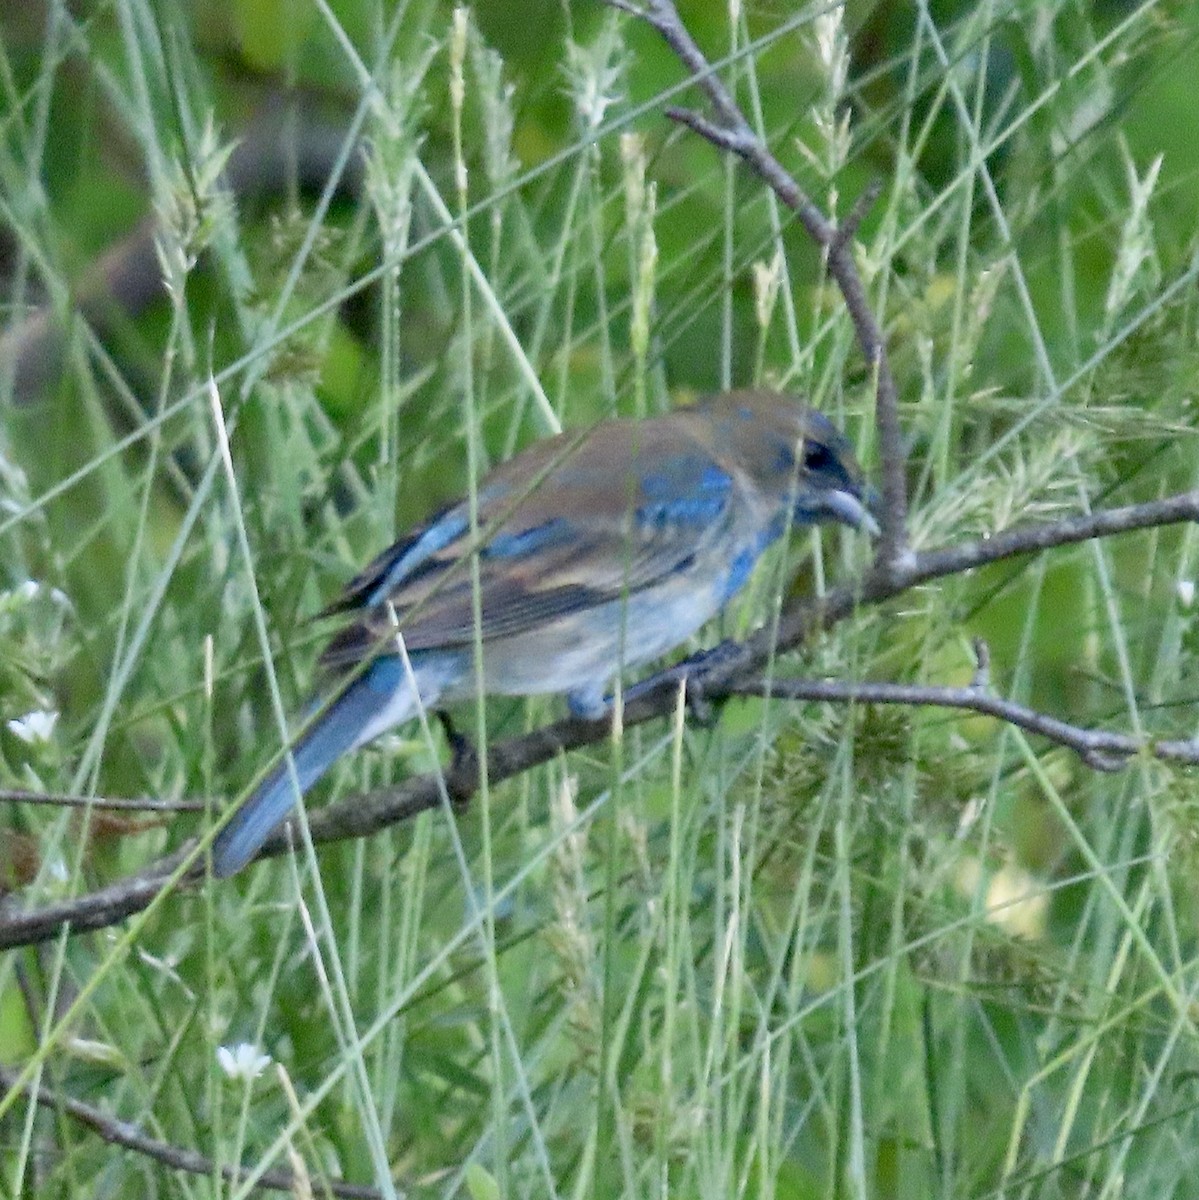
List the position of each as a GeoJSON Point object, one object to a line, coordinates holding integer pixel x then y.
{"type": "Point", "coordinates": [817, 456]}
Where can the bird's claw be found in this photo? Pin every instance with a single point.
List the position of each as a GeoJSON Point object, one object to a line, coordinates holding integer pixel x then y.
{"type": "Point", "coordinates": [702, 709]}
{"type": "Point", "coordinates": [462, 777]}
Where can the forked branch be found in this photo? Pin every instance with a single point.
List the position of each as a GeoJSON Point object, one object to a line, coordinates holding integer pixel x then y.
{"type": "Point", "coordinates": [729, 130]}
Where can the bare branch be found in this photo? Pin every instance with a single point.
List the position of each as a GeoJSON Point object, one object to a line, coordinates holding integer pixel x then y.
{"type": "Point", "coordinates": [982, 665]}
{"type": "Point", "coordinates": [732, 132]}
{"type": "Point", "coordinates": [109, 804]}
{"type": "Point", "coordinates": [848, 228]}
{"type": "Point", "coordinates": [1027, 539]}
{"type": "Point", "coordinates": [1098, 748]}
{"type": "Point", "coordinates": [122, 1133]}
{"type": "Point", "coordinates": [664, 17]}
{"type": "Point", "coordinates": [734, 140]}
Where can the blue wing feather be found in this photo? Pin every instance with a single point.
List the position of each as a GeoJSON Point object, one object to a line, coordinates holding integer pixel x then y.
{"type": "Point", "coordinates": [591, 529]}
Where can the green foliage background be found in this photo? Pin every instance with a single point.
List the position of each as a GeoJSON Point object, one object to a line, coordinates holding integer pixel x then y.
{"type": "Point", "coordinates": [809, 952]}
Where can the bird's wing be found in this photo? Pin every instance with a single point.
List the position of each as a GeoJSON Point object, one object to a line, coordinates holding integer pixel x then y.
{"type": "Point", "coordinates": [569, 525]}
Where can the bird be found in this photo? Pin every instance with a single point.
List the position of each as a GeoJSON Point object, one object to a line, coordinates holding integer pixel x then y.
{"type": "Point", "coordinates": [597, 551]}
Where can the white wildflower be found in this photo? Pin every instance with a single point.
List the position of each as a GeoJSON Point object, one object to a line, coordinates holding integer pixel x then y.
{"type": "Point", "coordinates": [34, 727]}
{"type": "Point", "coordinates": [243, 1062]}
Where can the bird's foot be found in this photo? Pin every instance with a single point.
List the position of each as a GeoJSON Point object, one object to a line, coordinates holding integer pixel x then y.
{"type": "Point", "coordinates": [589, 704]}
{"type": "Point", "coordinates": [463, 776]}
{"type": "Point", "coordinates": [702, 710]}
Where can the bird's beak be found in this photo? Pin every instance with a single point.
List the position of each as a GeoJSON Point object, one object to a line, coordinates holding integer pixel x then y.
{"type": "Point", "coordinates": [850, 509]}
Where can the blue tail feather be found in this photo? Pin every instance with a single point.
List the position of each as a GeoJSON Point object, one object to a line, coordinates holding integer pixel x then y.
{"type": "Point", "coordinates": [339, 728]}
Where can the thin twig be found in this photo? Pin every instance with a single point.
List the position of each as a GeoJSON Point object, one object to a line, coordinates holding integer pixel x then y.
{"type": "Point", "coordinates": [730, 131]}
{"type": "Point", "coordinates": [1098, 748]}
{"type": "Point", "coordinates": [121, 804]}
{"type": "Point", "coordinates": [736, 141]}
{"type": "Point", "coordinates": [123, 1133]}
{"type": "Point", "coordinates": [360, 815]}
{"type": "Point", "coordinates": [981, 678]}
{"type": "Point", "coordinates": [848, 229]}
{"type": "Point", "coordinates": [1067, 531]}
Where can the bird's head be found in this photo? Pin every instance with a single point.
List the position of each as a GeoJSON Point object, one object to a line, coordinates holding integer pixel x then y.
{"type": "Point", "coordinates": [793, 451]}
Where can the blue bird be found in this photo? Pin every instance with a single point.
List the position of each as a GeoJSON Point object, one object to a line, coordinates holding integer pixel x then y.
{"type": "Point", "coordinates": [598, 551]}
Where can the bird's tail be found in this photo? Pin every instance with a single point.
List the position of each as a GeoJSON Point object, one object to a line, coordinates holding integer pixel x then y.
{"type": "Point", "coordinates": [355, 716]}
